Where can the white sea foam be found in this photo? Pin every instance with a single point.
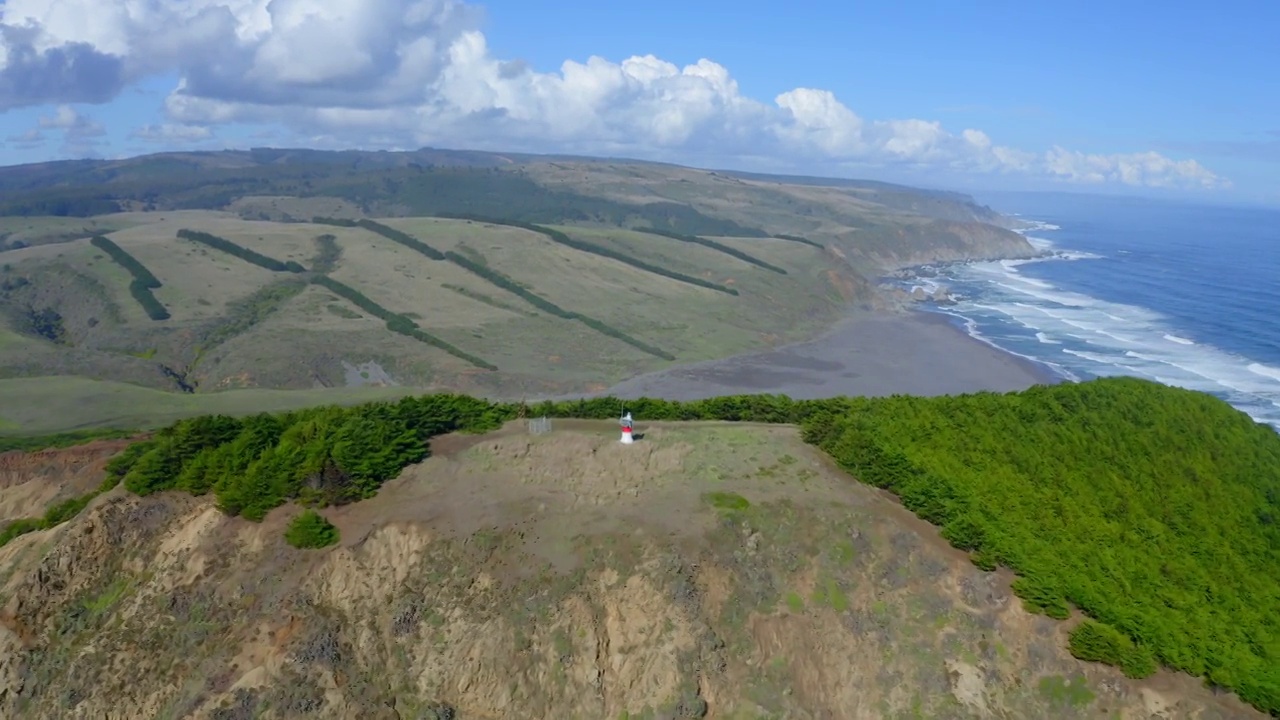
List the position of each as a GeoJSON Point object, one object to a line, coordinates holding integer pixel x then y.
{"type": "Point", "coordinates": [1108, 338]}
{"type": "Point", "coordinates": [1265, 371]}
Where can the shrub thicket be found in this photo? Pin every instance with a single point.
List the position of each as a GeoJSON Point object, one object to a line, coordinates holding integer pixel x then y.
{"type": "Point", "coordinates": [246, 312]}
{"type": "Point", "coordinates": [591, 248]}
{"type": "Point", "coordinates": [244, 253]}
{"type": "Point", "coordinates": [328, 253]}
{"type": "Point", "coordinates": [309, 529]}
{"type": "Point", "coordinates": [322, 456]}
{"type": "Point", "coordinates": [733, 252]}
{"type": "Point", "coordinates": [143, 281]}
{"type": "Point", "coordinates": [1154, 510]}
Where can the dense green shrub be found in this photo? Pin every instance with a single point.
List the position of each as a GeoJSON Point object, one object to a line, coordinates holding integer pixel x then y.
{"type": "Point", "coordinates": [55, 515]}
{"type": "Point", "coordinates": [733, 252]}
{"type": "Point", "coordinates": [244, 253]}
{"type": "Point", "coordinates": [310, 529]}
{"type": "Point", "coordinates": [328, 253]}
{"type": "Point", "coordinates": [581, 245]}
{"type": "Point", "coordinates": [1102, 643]}
{"type": "Point", "coordinates": [323, 456]}
{"type": "Point", "coordinates": [18, 527]}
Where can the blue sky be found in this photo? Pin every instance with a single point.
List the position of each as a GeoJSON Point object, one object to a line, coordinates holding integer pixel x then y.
{"type": "Point", "coordinates": [1125, 92]}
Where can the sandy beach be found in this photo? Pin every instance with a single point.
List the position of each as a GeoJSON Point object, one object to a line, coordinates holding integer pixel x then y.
{"type": "Point", "coordinates": [870, 354]}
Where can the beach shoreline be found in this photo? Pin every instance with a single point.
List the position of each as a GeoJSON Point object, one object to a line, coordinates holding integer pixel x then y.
{"type": "Point", "coordinates": [870, 354]}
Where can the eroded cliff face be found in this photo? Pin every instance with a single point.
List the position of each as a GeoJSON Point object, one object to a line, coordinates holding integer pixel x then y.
{"type": "Point", "coordinates": [31, 482]}
{"type": "Point", "coordinates": [561, 576]}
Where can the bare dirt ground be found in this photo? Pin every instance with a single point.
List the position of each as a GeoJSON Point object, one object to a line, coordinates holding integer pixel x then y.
{"type": "Point", "coordinates": [709, 570]}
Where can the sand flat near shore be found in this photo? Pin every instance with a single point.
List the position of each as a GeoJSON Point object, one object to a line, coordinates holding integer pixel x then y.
{"type": "Point", "coordinates": [870, 354]}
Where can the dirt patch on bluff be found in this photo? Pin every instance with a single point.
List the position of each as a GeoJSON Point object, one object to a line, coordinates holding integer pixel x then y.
{"type": "Point", "coordinates": [31, 482]}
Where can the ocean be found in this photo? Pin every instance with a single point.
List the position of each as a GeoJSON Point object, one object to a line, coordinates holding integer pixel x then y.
{"type": "Point", "coordinates": [1182, 294]}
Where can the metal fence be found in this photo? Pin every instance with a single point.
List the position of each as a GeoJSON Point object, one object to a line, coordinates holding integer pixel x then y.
{"type": "Point", "coordinates": [538, 426]}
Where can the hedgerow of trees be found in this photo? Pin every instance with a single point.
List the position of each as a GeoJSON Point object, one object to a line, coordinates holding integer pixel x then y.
{"type": "Point", "coordinates": [797, 238]}
{"type": "Point", "coordinates": [498, 279]}
{"type": "Point", "coordinates": [143, 281]}
{"type": "Point", "coordinates": [268, 299]}
{"type": "Point", "coordinates": [395, 322]}
{"type": "Point", "coordinates": [733, 252]}
{"type": "Point", "coordinates": [244, 253]}
{"type": "Point", "coordinates": [583, 246]}
{"type": "Point", "coordinates": [1153, 510]}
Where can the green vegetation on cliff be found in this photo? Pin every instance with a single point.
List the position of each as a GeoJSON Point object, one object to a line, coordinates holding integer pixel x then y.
{"type": "Point", "coordinates": [309, 530]}
{"type": "Point", "coordinates": [1154, 510]}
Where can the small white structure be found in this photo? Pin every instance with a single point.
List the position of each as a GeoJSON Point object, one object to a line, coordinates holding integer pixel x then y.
{"type": "Point", "coordinates": [626, 430]}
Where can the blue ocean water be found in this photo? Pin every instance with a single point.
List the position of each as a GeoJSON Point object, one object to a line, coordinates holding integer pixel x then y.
{"type": "Point", "coordinates": [1186, 295]}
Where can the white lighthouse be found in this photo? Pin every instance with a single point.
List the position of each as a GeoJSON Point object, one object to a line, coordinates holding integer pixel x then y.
{"type": "Point", "coordinates": [626, 429]}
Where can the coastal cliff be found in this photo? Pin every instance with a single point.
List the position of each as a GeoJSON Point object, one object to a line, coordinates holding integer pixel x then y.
{"type": "Point", "coordinates": [557, 576]}
{"type": "Point", "coordinates": [941, 241]}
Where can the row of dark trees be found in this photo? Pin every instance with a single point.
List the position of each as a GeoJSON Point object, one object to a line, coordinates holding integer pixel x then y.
{"type": "Point", "coordinates": [244, 253]}
{"type": "Point", "coordinates": [593, 249]}
{"type": "Point", "coordinates": [733, 252]}
{"type": "Point", "coordinates": [803, 241]}
{"type": "Point", "coordinates": [143, 281]}
{"type": "Point", "coordinates": [500, 280]}
{"type": "Point", "coordinates": [396, 322]}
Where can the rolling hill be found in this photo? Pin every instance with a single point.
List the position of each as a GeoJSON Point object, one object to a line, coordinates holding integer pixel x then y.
{"type": "Point", "coordinates": [495, 274]}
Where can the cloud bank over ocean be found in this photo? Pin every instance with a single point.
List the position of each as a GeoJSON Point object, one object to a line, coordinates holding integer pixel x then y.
{"type": "Point", "coordinates": [407, 73]}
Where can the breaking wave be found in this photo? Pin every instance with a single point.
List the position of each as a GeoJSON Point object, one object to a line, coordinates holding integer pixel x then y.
{"type": "Point", "coordinates": [1082, 336]}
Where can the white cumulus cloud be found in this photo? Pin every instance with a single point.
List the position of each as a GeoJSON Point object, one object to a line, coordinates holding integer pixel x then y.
{"type": "Point", "coordinates": [406, 73]}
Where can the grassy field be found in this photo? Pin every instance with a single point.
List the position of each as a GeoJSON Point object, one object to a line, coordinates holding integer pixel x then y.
{"type": "Point", "coordinates": [226, 333]}
{"type": "Point", "coordinates": [42, 230]}
{"type": "Point", "coordinates": [34, 406]}
{"type": "Point", "coordinates": [232, 325]}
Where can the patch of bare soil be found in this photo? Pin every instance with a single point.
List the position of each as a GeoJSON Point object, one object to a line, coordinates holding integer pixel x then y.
{"type": "Point", "coordinates": [31, 482]}
{"type": "Point", "coordinates": [708, 570]}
